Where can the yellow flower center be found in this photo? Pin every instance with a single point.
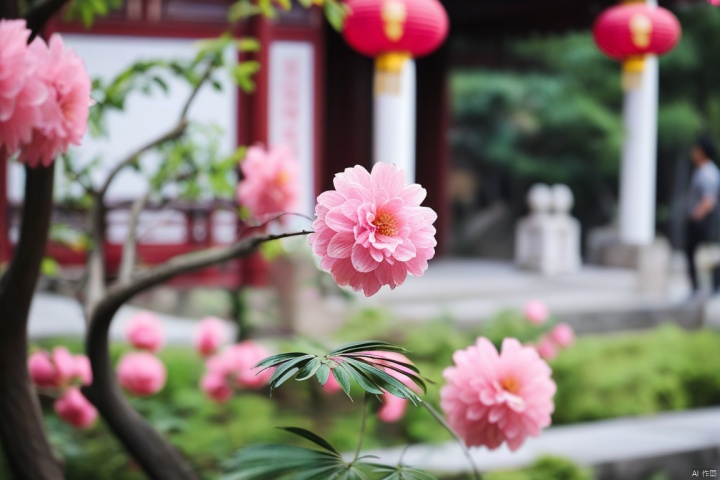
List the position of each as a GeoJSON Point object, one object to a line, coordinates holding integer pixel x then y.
{"type": "Point", "coordinates": [283, 178]}
{"type": "Point", "coordinates": [386, 225]}
{"type": "Point", "coordinates": [510, 385]}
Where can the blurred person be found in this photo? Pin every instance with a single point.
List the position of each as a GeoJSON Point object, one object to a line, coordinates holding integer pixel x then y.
{"type": "Point", "coordinates": [702, 207]}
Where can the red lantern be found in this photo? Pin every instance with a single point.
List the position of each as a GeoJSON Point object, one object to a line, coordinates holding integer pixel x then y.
{"type": "Point", "coordinates": [393, 31]}
{"type": "Point", "coordinates": [631, 31]}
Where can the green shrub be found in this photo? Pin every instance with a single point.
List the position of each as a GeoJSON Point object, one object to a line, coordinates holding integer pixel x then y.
{"type": "Point", "coordinates": [545, 468]}
{"type": "Point", "coordinates": [637, 373]}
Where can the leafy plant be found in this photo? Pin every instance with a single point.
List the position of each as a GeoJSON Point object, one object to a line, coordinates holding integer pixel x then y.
{"type": "Point", "coordinates": [352, 361]}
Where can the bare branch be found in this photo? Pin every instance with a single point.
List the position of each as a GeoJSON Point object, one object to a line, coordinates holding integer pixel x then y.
{"type": "Point", "coordinates": [40, 13]}
{"type": "Point", "coordinates": [156, 456]}
{"type": "Point", "coordinates": [129, 254]}
{"type": "Point", "coordinates": [175, 132]}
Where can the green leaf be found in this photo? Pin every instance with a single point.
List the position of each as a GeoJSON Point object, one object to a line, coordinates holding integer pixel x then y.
{"type": "Point", "coordinates": [343, 379]}
{"type": "Point", "coordinates": [285, 462]}
{"type": "Point", "coordinates": [247, 44]}
{"type": "Point", "coordinates": [384, 380]}
{"type": "Point", "coordinates": [367, 346]}
{"type": "Point", "coordinates": [287, 370]}
{"type": "Point", "coordinates": [309, 369]}
{"type": "Point", "coordinates": [400, 472]}
{"type": "Point", "coordinates": [323, 374]}
{"type": "Point", "coordinates": [241, 10]}
{"type": "Point", "coordinates": [277, 360]}
{"type": "Point", "coordinates": [335, 13]}
{"type": "Point", "coordinates": [50, 267]}
{"type": "Point", "coordinates": [308, 435]}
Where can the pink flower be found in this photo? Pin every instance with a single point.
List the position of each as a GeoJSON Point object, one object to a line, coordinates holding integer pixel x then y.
{"type": "Point", "coordinates": [270, 181]}
{"type": "Point", "coordinates": [371, 230]}
{"type": "Point", "coordinates": [145, 332]}
{"type": "Point", "coordinates": [74, 408]}
{"type": "Point", "coordinates": [331, 386]}
{"type": "Point", "coordinates": [243, 357]}
{"type": "Point", "coordinates": [141, 373]}
{"type": "Point", "coordinates": [547, 348]}
{"type": "Point", "coordinates": [83, 370]}
{"type": "Point", "coordinates": [59, 369]}
{"type": "Point", "coordinates": [216, 387]}
{"type": "Point", "coordinates": [715, 3]}
{"type": "Point", "coordinates": [209, 336]}
{"type": "Point", "coordinates": [64, 364]}
{"type": "Point", "coordinates": [536, 312]}
{"type": "Point", "coordinates": [234, 367]}
{"type": "Point", "coordinates": [563, 335]}
{"type": "Point", "coordinates": [492, 398]}
{"type": "Point", "coordinates": [42, 370]}
{"type": "Point", "coordinates": [393, 408]}
{"type": "Point", "coordinates": [21, 90]}
{"type": "Point", "coordinates": [64, 114]}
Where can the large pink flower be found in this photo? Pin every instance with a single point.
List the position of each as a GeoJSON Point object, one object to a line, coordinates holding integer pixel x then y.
{"type": "Point", "coordinates": [145, 332]}
{"type": "Point", "coordinates": [21, 90]}
{"type": "Point", "coordinates": [141, 373]}
{"type": "Point", "coordinates": [371, 230]}
{"type": "Point", "coordinates": [64, 114]}
{"type": "Point", "coordinates": [492, 398]}
{"type": "Point", "coordinates": [270, 181]}
{"type": "Point", "coordinates": [75, 409]}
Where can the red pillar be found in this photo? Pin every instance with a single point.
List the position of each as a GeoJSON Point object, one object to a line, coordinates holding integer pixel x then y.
{"type": "Point", "coordinates": [299, 27]}
{"type": "Point", "coordinates": [433, 147]}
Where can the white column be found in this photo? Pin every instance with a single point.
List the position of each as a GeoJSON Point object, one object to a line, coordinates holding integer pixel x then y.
{"type": "Point", "coordinates": [639, 159]}
{"type": "Point", "coordinates": [394, 124]}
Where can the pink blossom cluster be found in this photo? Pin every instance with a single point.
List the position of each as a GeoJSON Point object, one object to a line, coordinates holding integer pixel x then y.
{"type": "Point", "coordinates": [492, 397]}
{"type": "Point", "coordinates": [44, 96]}
{"type": "Point", "coordinates": [232, 368]}
{"type": "Point", "coordinates": [61, 372]}
{"type": "Point", "coordinates": [560, 336]}
{"type": "Point", "coordinates": [142, 373]}
{"type": "Point", "coordinates": [393, 408]}
{"type": "Point", "coordinates": [371, 230]}
{"type": "Point", "coordinates": [270, 181]}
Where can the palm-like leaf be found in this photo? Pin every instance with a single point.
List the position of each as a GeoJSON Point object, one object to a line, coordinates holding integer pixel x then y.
{"type": "Point", "coordinates": [287, 462]}
{"type": "Point", "coordinates": [354, 361]}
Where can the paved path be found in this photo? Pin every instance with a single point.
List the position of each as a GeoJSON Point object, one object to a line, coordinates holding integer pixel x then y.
{"type": "Point", "coordinates": [55, 316]}
{"type": "Point", "coordinates": [596, 443]}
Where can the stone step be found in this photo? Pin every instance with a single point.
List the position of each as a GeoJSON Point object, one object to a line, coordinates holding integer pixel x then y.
{"type": "Point", "coordinates": [621, 449]}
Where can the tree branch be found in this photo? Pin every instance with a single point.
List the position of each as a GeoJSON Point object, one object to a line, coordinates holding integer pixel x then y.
{"type": "Point", "coordinates": [40, 13]}
{"type": "Point", "coordinates": [21, 428]}
{"type": "Point", "coordinates": [156, 456]}
{"type": "Point", "coordinates": [96, 275]}
{"type": "Point", "coordinates": [129, 253]}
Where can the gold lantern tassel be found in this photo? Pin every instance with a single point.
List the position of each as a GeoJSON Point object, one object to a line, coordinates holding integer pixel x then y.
{"type": "Point", "coordinates": [388, 68]}
{"type": "Point", "coordinates": [633, 68]}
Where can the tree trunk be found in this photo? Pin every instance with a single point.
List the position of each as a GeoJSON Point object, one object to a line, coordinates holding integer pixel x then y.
{"type": "Point", "coordinates": [21, 428]}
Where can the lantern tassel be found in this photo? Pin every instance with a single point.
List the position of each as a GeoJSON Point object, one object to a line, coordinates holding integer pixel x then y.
{"type": "Point", "coordinates": [388, 68]}
{"type": "Point", "coordinates": [633, 68]}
